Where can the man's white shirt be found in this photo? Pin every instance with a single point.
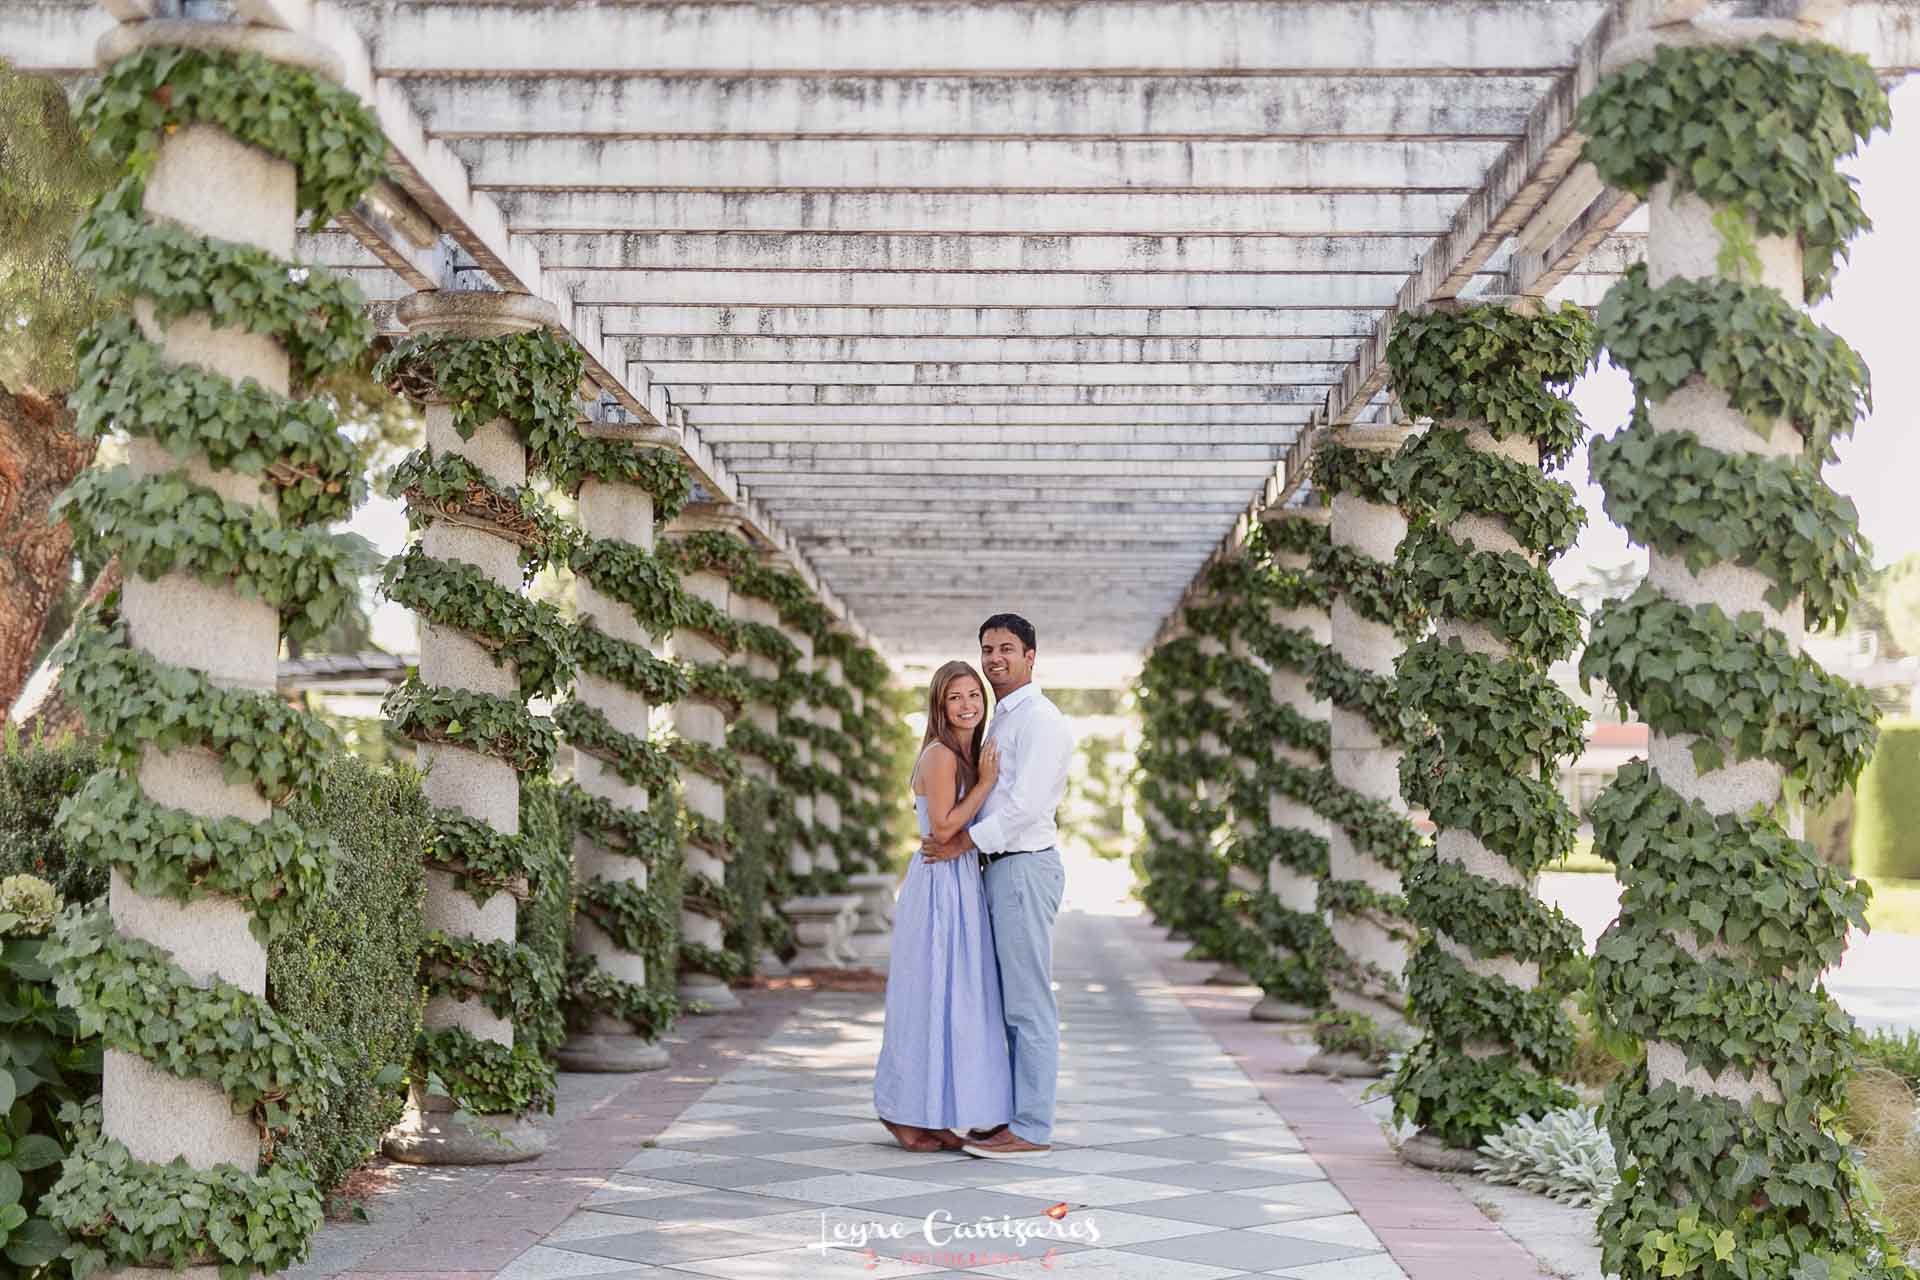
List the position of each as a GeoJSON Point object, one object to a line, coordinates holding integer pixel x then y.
{"type": "Point", "coordinates": [1036, 747]}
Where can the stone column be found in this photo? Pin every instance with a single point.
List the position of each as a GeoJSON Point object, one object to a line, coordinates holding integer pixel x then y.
{"type": "Point", "coordinates": [1489, 976]}
{"type": "Point", "coordinates": [466, 780]}
{"type": "Point", "coordinates": [826, 803]}
{"type": "Point", "coordinates": [1362, 896]}
{"type": "Point", "coordinates": [209, 183]}
{"type": "Point", "coordinates": [805, 863]}
{"type": "Point", "coordinates": [703, 722]}
{"type": "Point", "coordinates": [1727, 918]}
{"type": "Point", "coordinates": [609, 871]}
{"type": "Point", "coordinates": [1211, 795]}
{"type": "Point", "coordinates": [1226, 786]}
{"type": "Point", "coordinates": [1297, 611]}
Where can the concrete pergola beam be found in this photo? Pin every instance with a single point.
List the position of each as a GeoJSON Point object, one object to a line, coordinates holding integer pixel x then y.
{"type": "Point", "coordinates": [997, 212]}
{"type": "Point", "coordinates": [1031, 37]}
{"type": "Point", "coordinates": [969, 395]}
{"type": "Point", "coordinates": [742, 375]}
{"type": "Point", "coordinates": [1197, 436]}
{"type": "Point", "coordinates": [964, 290]}
{"type": "Point", "coordinates": [1280, 416]}
{"type": "Point", "coordinates": [1133, 352]}
{"type": "Point", "coordinates": [966, 164]}
{"type": "Point", "coordinates": [1201, 105]}
{"type": "Point", "coordinates": [1263, 323]}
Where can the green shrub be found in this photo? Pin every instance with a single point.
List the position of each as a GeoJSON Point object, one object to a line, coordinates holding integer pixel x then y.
{"type": "Point", "coordinates": [348, 972]}
{"type": "Point", "coordinates": [1886, 806]}
{"type": "Point", "coordinates": [546, 918]}
{"type": "Point", "coordinates": [1895, 1051]}
{"type": "Point", "coordinates": [33, 782]}
{"type": "Point", "coordinates": [752, 869]}
{"type": "Point", "coordinates": [43, 1065]}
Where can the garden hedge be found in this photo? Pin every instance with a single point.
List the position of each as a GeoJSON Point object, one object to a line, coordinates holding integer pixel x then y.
{"type": "Point", "coordinates": [343, 970]}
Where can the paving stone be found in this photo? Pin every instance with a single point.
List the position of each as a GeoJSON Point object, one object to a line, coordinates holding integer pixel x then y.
{"type": "Point", "coordinates": [963, 1203]}
{"type": "Point", "coordinates": [1221, 1177]}
{"type": "Point", "coordinates": [762, 1144]}
{"type": "Point", "coordinates": [1245, 1250]}
{"type": "Point", "coordinates": [1215, 1210]}
{"type": "Point", "coordinates": [711, 1205]}
{"type": "Point", "coordinates": [670, 1246]}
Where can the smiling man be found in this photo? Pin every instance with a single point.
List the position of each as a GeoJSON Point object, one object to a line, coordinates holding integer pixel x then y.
{"type": "Point", "coordinates": [1018, 845]}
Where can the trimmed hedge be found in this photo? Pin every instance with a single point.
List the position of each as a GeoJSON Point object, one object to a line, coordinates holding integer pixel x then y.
{"type": "Point", "coordinates": [545, 921]}
{"type": "Point", "coordinates": [345, 971]}
{"type": "Point", "coordinates": [1886, 806]}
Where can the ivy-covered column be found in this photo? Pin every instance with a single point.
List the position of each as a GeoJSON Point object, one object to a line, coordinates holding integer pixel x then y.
{"type": "Point", "coordinates": [1494, 965]}
{"type": "Point", "coordinates": [1287, 629]}
{"type": "Point", "coordinates": [1178, 822]}
{"type": "Point", "coordinates": [621, 802]}
{"type": "Point", "coordinates": [1234, 689]}
{"type": "Point", "coordinates": [704, 643]}
{"type": "Point", "coordinates": [1734, 1164]}
{"type": "Point", "coordinates": [498, 386]}
{"type": "Point", "coordinates": [766, 654]}
{"type": "Point", "coordinates": [227, 134]}
{"type": "Point", "coordinates": [859, 838]}
{"type": "Point", "coordinates": [1371, 843]}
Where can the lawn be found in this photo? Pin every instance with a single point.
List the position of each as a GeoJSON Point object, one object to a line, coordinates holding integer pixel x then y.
{"type": "Point", "coordinates": [1895, 907]}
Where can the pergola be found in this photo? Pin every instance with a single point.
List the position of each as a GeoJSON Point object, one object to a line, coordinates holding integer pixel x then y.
{"type": "Point", "coordinates": [978, 306]}
{"type": "Point", "coordinates": [947, 309]}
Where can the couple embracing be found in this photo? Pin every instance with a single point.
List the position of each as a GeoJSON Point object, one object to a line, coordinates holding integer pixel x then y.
{"type": "Point", "coordinates": [972, 1038]}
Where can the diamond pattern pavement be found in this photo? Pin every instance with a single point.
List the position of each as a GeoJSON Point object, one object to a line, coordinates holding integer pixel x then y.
{"type": "Point", "coordinates": [1169, 1164]}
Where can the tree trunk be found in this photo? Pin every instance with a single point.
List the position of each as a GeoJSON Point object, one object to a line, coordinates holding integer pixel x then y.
{"type": "Point", "coordinates": [41, 710]}
{"type": "Point", "coordinates": [39, 456]}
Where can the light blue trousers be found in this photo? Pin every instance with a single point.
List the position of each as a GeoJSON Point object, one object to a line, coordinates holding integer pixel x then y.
{"type": "Point", "coordinates": [1023, 897]}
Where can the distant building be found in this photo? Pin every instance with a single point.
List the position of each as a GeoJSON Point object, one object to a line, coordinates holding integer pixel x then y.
{"type": "Point", "coordinates": [1608, 747]}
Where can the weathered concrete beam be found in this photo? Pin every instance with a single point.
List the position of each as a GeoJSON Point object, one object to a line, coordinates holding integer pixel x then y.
{"type": "Point", "coordinates": [1262, 323]}
{"type": "Point", "coordinates": [1133, 352]}
{"type": "Point", "coordinates": [964, 454]}
{"type": "Point", "coordinates": [854, 251]}
{"type": "Point", "coordinates": [1277, 415]}
{"type": "Point", "coordinates": [967, 290]}
{"type": "Point", "coordinates": [1045, 213]}
{"type": "Point", "coordinates": [1197, 106]}
{"type": "Point", "coordinates": [741, 374]}
{"type": "Point", "coordinates": [1028, 36]}
{"type": "Point", "coordinates": [970, 164]}
{"type": "Point", "coordinates": [1196, 436]}
{"type": "Point", "coordinates": [972, 394]}
{"type": "Point", "coordinates": [1080, 511]}
{"type": "Point", "coordinates": [1034, 488]}
{"type": "Point", "coordinates": [856, 465]}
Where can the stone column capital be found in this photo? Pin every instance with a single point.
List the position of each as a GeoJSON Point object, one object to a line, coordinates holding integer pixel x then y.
{"type": "Point", "coordinates": [459, 314]}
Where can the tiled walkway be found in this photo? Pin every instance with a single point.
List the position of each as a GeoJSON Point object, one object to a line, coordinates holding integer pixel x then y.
{"type": "Point", "coordinates": [1170, 1163]}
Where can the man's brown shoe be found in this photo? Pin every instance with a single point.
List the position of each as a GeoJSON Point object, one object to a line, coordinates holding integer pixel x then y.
{"type": "Point", "coordinates": [981, 1135]}
{"type": "Point", "coordinates": [1008, 1146]}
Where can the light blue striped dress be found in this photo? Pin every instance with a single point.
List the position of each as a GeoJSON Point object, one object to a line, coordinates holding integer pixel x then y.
{"type": "Point", "coordinates": [943, 1058]}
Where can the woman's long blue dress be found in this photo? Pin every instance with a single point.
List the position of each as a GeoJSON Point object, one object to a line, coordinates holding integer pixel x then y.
{"type": "Point", "coordinates": [943, 1057]}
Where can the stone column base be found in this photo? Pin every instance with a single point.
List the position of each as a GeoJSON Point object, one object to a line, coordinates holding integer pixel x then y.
{"type": "Point", "coordinates": [704, 993]}
{"type": "Point", "coordinates": [611, 1052]}
{"type": "Point", "coordinates": [430, 1134]}
{"type": "Point", "coordinates": [1423, 1150]}
{"type": "Point", "coordinates": [769, 965]}
{"type": "Point", "coordinates": [1345, 1065]}
{"type": "Point", "coordinates": [1270, 1009]}
{"type": "Point", "coordinates": [876, 890]}
{"type": "Point", "coordinates": [1228, 975]}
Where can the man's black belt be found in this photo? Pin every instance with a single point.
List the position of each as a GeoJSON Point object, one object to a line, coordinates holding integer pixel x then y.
{"type": "Point", "coordinates": [1006, 853]}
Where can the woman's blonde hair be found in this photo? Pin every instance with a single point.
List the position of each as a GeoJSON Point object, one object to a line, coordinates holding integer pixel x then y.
{"type": "Point", "coordinates": [941, 730]}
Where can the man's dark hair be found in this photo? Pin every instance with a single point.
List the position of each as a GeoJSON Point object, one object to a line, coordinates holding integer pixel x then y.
{"type": "Point", "coordinates": [1021, 628]}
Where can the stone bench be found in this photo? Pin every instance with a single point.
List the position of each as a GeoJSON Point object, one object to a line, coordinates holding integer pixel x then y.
{"type": "Point", "coordinates": [821, 926]}
{"type": "Point", "coordinates": [876, 890]}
